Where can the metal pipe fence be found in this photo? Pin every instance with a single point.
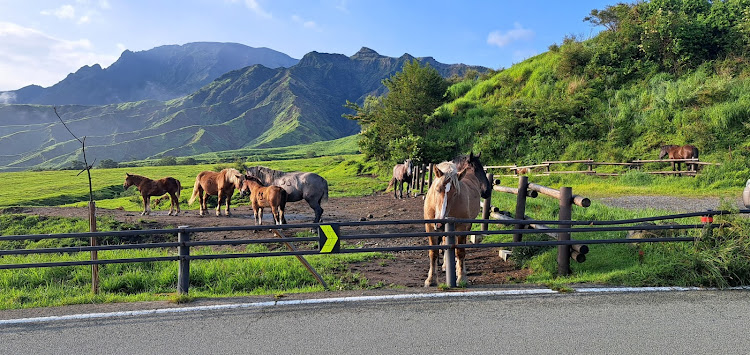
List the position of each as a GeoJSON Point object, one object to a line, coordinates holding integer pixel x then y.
{"type": "Point", "coordinates": [183, 245]}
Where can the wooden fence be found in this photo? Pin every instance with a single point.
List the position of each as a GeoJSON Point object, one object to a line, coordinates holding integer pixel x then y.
{"type": "Point", "coordinates": [546, 167]}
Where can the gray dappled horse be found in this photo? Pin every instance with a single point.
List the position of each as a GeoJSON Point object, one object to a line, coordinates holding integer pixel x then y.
{"type": "Point", "coordinates": [402, 173]}
{"type": "Point", "coordinates": [299, 186]}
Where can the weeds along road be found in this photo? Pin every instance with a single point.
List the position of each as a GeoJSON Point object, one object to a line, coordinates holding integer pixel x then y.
{"type": "Point", "coordinates": [584, 323]}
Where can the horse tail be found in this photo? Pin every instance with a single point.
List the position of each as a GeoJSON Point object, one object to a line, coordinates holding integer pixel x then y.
{"type": "Point", "coordinates": [390, 184]}
{"type": "Point", "coordinates": [325, 192]}
{"type": "Point", "coordinates": [196, 188]}
{"type": "Point", "coordinates": [695, 152]}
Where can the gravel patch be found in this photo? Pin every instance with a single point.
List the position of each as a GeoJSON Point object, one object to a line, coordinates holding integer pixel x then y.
{"type": "Point", "coordinates": [669, 203]}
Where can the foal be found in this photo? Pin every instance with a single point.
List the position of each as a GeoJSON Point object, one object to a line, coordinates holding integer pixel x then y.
{"type": "Point", "coordinates": [265, 196]}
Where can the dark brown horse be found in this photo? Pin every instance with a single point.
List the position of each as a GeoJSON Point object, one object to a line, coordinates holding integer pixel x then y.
{"type": "Point", "coordinates": [221, 184]}
{"type": "Point", "coordinates": [402, 173]}
{"type": "Point", "coordinates": [310, 187]}
{"type": "Point", "coordinates": [686, 151]}
{"type": "Point", "coordinates": [264, 196]}
{"type": "Point", "coordinates": [148, 188]}
{"type": "Point", "coordinates": [455, 192]}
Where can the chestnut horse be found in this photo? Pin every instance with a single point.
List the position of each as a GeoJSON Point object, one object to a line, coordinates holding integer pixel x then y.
{"type": "Point", "coordinates": [686, 151]}
{"type": "Point", "coordinates": [264, 196]}
{"type": "Point", "coordinates": [402, 173]}
{"type": "Point", "coordinates": [454, 192]}
{"type": "Point", "coordinates": [221, 184]}
{"type": "Point", "coordinates": [148, 188]}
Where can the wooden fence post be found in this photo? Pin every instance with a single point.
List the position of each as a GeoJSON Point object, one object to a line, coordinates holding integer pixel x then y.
{"type": "Point", "coordinates": [183, 271]}
{"type": "Point", "coordinates": [94, 254]}
{"type": "Point", "coordinates": [563, 251]}
{"type": "Point", "coordinates": [486, 205]}
{"type": "Point", "coordinates": [523, 186]}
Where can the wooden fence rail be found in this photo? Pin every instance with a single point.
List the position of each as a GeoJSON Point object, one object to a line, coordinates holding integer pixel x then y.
{"type": "Point", "coordinates": [545, 168]}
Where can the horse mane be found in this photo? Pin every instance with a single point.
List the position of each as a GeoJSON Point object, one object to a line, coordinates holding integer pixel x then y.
{"type": "Point", "coordinates": [230, 175]}
{"type": "Point", "coordinates": [450, 172]}
{"type": "Point", "coordinates": [265, 171]}
{"type": "Point", "coordinates": [254, 179]}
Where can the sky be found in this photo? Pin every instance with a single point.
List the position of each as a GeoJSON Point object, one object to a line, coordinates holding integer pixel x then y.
{"type": "Point", "coordinates": [42, 41]}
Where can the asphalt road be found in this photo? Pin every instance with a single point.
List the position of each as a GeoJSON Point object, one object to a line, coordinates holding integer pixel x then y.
{"type": "Point", "coordinates": [687, 322]}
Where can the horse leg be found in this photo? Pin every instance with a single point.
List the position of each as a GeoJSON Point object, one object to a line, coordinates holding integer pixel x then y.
{"type": "Point", "coordinates": [220, 201]}
{"type": "Point", "coordinates": [433, 255]}
{"type": "Point", "coordinates": [315, 205]}
{"type": "Point", "coordinates": [259, 215]}
{"type": "Point", "coordinates": [229, 201]}
{"type": "Point", "coordinates": [146, 205]}
{"type": "Point", "coordinates": [176, 202]}
{"type": "Point", "coordinates": [460, 266]}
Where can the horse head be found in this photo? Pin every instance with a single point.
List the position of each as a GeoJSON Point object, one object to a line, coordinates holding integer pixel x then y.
{"type": "Point", "coordinates": [127, 182]}
{"type": "Point", "coordinates": [472, 161]}
{"type": "Point", "coordinates": [664, 151]}
{"type": "Point", "coordinates": [445, 186]}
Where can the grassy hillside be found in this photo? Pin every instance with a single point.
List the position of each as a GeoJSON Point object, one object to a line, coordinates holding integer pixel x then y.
{"type": "Point", "coordinates": [619, 96]}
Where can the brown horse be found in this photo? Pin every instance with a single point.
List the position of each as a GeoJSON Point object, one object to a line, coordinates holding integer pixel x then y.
{"type": "Point", "coordinates": [148, 188]}
{"type": "Point", "coordinates": [264, 196]}
{"type": "Point", "coordinates": [455, 192]}
{"type": "Point", "coordinates": [402, 173]}
{"type": "Point", "coordinates": [221, 184]}
{"type": "Point", "coordinates": [686, 151]}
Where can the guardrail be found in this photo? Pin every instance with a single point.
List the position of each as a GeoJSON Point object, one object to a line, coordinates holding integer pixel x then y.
{"type": "Point", "coordinates": [184, 244]}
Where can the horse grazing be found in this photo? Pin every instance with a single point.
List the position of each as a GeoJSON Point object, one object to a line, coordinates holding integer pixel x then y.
{"type": "Point", "coordinates": [454, 192]}
{"type": "Point", "coordinates": [299, 185]}
{"type": "Point", "coordinates": [402, 173]}
{"type": "Point", "coordinates": [265, 196]}
{"type": "Point", "coordinates": [686, 151]}
{"type": "Point", "coordinates": [148, 188]}
{"type": "Point", "coordinates": [221, 184]}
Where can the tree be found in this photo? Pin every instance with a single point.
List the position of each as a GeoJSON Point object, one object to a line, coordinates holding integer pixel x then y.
{"type": "Point", "coordinates": [394, 126]}
{"type": "Point", "coordinates": [167, 160]}
{"type": "Point", "coordinates": [108, 164]}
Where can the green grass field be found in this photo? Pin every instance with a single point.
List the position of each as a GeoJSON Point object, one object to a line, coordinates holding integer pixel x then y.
{"type": "Point", "coordinates": [718, 260]}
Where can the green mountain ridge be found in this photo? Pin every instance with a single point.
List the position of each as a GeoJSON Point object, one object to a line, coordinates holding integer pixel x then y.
{"type": "Point", "coordinates": [253, 107]}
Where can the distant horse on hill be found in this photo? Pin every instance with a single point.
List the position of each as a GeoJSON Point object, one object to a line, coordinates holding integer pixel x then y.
{"type": "Point", "coordinates": [298, 185]}
{"type": "Point", "coordinates": [221, 184]}
{"type": "Point", "coordinates": [148, 188]}
{"type": "Point", "coordinates": [265, 196]}
{"type": "Point", "coordinates": [402, 173]}
{"type": "Point", "coordinates": [686, 151]}
{"type": "Point", "coordinates": [455, 192]}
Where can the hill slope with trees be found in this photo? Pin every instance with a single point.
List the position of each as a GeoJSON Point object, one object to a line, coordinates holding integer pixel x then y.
{"type": "Point", "coordinates": [662, 72]}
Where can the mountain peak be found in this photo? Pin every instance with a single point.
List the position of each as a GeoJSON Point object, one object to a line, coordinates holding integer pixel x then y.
{"type": "Point", "coordinates": [365, 53]}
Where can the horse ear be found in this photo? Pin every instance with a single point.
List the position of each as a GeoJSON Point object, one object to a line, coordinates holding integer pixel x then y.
{"type": "Point", "coordinates": [436, 171]}
{"type": "Point", "coordinates": [461, 174]}
{"type": "Point", "coordinates": [126, 174]}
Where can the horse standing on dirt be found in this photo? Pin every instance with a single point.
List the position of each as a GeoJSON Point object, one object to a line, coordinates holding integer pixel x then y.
{"type": "Point", "coordinates": [686, 151]}
{"type": "Point", "coordinates": [148, 188]}
{"type": "Point", "coordinates": [265, 196]}
{"type": "Point", "coordinates": [221, 184]}
{"type": "Point", "coordinates": [299, 185]}
{"type": "Point", "coordinates": [455, 192]}
{"type": "Point", "coordinates": [402, 173]}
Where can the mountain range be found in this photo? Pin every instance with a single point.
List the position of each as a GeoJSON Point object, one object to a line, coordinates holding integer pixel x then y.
{"type": "Point", "coordinates": [256, 106]}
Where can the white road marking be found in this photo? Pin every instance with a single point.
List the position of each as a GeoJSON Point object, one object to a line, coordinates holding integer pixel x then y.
{"type": "Point", "coordinates": [538, 291]}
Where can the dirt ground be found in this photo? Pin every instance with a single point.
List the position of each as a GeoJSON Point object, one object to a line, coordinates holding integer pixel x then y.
{"type": "Point", "coordinates": [406, 268]}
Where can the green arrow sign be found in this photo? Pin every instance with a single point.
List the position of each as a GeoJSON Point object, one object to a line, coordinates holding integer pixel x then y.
{"type": "Point", "coordinates": [329, 239]}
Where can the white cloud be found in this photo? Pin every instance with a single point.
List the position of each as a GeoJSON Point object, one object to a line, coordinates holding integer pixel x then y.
{"type": "Point", "coordinates": [30, 56]}
{"type": "Point", "coordinates": [255, 7]}
{"type": "Point", "coordinates": [63, 12]}
{"type": "Point", "coordinates": [306, 24]}
{"type": "Point", "coordinates": [518, 33]}
{"type": "Point", "coordinates": [7, 97]}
